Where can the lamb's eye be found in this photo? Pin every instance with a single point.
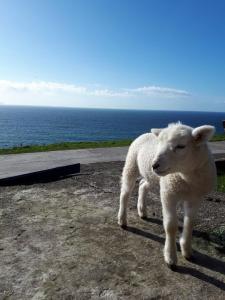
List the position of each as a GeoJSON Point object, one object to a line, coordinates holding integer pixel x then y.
{"type": "Point", "coordinates": [178, 147]}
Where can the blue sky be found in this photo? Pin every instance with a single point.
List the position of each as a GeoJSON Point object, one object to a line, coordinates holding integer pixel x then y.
{"type": "Point", "coordinates": [113, 54]}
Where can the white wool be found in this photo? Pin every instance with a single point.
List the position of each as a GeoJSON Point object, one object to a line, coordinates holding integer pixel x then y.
{"type": "Point", "coordinates": [185, 171]}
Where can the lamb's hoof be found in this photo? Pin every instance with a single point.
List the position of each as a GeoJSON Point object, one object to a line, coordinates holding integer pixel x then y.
{"type": "Point", "coordinates": [190, 258]}
{"type": "Point", "coordinates": [142, 213]}
{"type": "Point", "coordinates": [144, 217]}
{"type": "Point", "coordinates": [172, 267]}
{"type": "Point", "coordinates": [123, 226]}
{"type": "Point", "coordinates": [122, 220]}
{"type": "Point", "coordinates": [187, 254]}
{"type": "Point", "coordinates": [122, 223]}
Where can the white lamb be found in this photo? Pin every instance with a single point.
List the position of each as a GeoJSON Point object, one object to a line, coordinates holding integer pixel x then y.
{"type": "Point", "coordinates": [178, 158]}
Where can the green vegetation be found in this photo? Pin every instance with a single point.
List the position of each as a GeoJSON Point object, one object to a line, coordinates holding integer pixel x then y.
{"type": "Point", "coordinates": [218, 137]}
{"type": "Point", "coordinates": [218, 235]}
{"type": "Point", "coordinates": [65, 146]}
{"type": "Point", "coordinates": [221, 181]}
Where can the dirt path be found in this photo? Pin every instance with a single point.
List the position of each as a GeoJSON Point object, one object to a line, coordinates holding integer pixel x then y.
{"type": "Point", "coordinates": [60, 240]}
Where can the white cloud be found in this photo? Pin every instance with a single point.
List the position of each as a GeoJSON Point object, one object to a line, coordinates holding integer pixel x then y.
{"type": "Point", "coordinates": [40, 86]}
{"type": "Point", "coordinates": [45, 88]}
{"type": "Point", "coordinates": [159, 91]}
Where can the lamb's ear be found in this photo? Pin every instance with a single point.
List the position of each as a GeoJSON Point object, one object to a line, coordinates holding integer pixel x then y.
{"type": "Point", "coordinates": [156, 131]}
{"type": "Point", "coordinates": [203, 133]}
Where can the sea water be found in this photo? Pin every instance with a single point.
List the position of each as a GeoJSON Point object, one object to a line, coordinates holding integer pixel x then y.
{"type": "Point", "coordinates": [24, 125]}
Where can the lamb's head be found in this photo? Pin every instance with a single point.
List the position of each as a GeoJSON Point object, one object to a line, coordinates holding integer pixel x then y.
{"type": "Point", "coordinates": [180, 148]}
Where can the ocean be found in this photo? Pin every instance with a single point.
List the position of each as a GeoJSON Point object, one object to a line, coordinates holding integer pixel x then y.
{"type": "Point", "coordinates": [26, 125]}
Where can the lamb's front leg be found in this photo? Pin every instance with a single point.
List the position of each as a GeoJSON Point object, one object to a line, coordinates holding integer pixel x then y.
{"type": "Point", "coordinates": [170, 226]}
{"type": "Point", "coordinates": [190, 211]}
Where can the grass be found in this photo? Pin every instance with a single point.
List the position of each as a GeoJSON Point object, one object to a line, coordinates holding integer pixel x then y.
{"type": "Point", "coordinates": [218, 235]}
{"type": "Point", "coordinates": [218, 137]}
{"type": "Point", "coordinates": [221, 181]}
{"type": "Point", "coordinates": [65, 146]}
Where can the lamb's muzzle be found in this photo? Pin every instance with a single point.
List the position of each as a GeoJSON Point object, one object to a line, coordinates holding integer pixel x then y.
{"type": "Point", "coordinates": [155, 166]}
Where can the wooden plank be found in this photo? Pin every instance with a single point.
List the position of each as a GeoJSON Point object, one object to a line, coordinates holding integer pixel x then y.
{"type": "Point", "coordinates": [42, 176]}
{"type": "Point", "coordinates": [220, 165]}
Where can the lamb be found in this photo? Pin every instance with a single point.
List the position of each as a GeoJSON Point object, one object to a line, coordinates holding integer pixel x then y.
{"type": "Point", "coordinates": [178, 159]}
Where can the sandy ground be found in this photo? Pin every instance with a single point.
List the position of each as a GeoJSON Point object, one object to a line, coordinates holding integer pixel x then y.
{"type": "Point", "coordinates": [60, 240]}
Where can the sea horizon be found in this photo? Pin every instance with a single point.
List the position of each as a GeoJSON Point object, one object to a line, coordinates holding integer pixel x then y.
{"type": "Point", "coordinates": [110, 108]}
{"type": "Point", "coordinates": [23, 125]}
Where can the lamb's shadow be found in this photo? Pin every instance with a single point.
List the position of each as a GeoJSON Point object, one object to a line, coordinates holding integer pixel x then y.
{"type": "Point", "coordinates": [196, 233]}
{"type": "Point", "coordinates": [200, 259]}
{"type": "Point", "coordinates": [199, 275]}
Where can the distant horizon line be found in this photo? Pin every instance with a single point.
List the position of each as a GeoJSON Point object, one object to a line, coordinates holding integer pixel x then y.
{"type": "Point", "coordinates": [108, 108]}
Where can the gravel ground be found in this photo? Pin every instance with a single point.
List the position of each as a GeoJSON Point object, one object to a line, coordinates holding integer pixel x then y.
{"type": "Point", "coordinates": [60, 240]}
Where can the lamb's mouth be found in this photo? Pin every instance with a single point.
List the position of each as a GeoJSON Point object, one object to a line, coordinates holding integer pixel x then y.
{"type": "Point", "coordinates": [162, 172]}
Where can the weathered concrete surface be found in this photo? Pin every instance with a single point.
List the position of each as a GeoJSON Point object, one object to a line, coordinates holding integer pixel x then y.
{"type": "Point", "coordinates": [60, 240]}
{"type": "Point", "coordinates": [18, 164]}
{"type": "Point", "coordinates": [218, 149]}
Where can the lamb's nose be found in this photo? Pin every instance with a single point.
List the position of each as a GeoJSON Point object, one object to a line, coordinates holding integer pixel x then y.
{"type": "Point", "coordinates": [155, 166]}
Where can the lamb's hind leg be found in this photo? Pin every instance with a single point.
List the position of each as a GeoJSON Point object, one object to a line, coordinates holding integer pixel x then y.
{"type": "Point", "coordinates": [190, 211]}
{"type": "Point", "coordinates": [127, 185]}
{"type": "Point", "coordinates": [141, 205]}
